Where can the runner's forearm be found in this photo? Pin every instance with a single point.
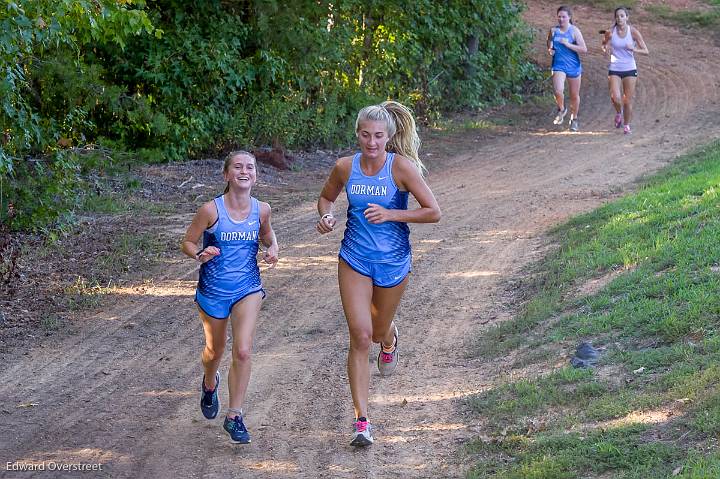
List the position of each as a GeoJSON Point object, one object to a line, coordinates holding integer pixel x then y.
{"type": "Point", "coordinates": [325, 206]}
{"type": "Point", "coordinates": [419, 215]}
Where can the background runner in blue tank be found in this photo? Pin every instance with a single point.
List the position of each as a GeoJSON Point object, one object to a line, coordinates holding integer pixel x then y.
{"type": "Point", "coordinates": [230, 227]}
{"type": "Point", "coordinates": [565, 42]}
{"type": "Point", "coordinates": [375, 222]}
{"type": "Point", "coordinates": [620, 43]}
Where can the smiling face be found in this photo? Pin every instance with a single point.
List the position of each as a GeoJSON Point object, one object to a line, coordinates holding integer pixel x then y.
{"type": "Point", "coordinates": [240, 171]}
{"type": "Point", "coordinates": [372, 138]}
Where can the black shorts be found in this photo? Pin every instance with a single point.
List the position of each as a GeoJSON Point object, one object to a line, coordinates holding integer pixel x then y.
{"type": "Point", "coordinates": [629, 73]}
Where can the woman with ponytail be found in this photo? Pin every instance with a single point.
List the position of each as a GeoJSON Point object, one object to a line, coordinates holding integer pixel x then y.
{"type": "Point", "coordinates": [375, 256]}
{"type": "Point", "coordinates": [621, 43]}
{"type": "Point", "coordinates": [231, 228]}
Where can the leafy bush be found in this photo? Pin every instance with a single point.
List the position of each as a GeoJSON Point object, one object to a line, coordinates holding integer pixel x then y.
{"type": "Point", "coordinates": [170, 80]}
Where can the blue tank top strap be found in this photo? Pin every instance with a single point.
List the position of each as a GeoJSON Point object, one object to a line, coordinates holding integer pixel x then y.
{"type": "Point", "coordinates": [255, 209]}
{"type": "Point", "coordinates": [356, 165]}
{"type": "Point", "coordinates": [220, 208]}
{"type": "Point", "coordinates": [388, 163]}
{"type": "Point", "coordinates": [389, 167]}
{"type": "Point", "coordinates": [220, 204]}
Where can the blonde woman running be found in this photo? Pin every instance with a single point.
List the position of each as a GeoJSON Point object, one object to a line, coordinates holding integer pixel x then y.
{"type": "Point", "coordinates": [375, 257]}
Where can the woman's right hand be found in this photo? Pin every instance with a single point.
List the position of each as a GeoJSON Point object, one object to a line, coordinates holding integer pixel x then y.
{"type": "Point", "coordinates": [551, 51]}
{"type": "Point", "coordinates": [208, 253]}
{"type": "Point", "coordinates": [326, 224]}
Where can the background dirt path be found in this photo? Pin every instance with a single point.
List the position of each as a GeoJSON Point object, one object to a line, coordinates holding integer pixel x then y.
{"type": "Point", "coordinates": [123, 390]}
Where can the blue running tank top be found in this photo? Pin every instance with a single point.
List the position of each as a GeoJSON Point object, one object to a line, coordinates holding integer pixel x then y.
{"type": "Point", "coordinates": [564, 59]}
{"type": "Point", "coordinates": [383, 243]}
{"type": "Point", "coordinates": [235, 269]}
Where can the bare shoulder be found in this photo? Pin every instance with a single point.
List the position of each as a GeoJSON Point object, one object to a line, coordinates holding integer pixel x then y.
{"type": "Point", "coordinates": [344, 163]}
{"type": "Point", "coordinates": [341, 170]}
{"type": "Point", "coordinates": [265, 211]}
{"type": "Point", "coordinates": [206, 215]}
{"type": "Point", "coordinates": [208, 209]}
{"type": "Point", "coordinates": [404, 162]}
{"type": "Point", "coordinates": [404, 168]}
{"type": "Point", "coordinates": [265, 208]}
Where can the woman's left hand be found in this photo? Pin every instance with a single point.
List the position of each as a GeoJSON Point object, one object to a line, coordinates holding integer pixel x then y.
{"type": "Point", "coordinates": [271, 256]}
{"type": "Point", "coordinates": [376, 214]}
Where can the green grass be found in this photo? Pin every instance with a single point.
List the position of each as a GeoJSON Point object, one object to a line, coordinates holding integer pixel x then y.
{"type": "Point", "coordinates": [623, 452]}
{"type": "Point", "coordinates": [458, 125]}
{"type": "Point", "coordinates": [611, 5]}
{"type": "Point", "coordinates": [658, 322]}
{"type": "Point", "coordinates": [106, 204]}
{"type": "Point", "coordinates": [83, 295]}
{"type": "Point", "coordinates": [117, 203]}
{"type": "Point", "coordinates": [688, 18]}
{"type": "Point", "coordinates": [50, 322]}
{"type": "Point", "coordinates": [132, 250]}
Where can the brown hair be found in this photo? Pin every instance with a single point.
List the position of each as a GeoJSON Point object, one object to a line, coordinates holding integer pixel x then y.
{"type": "Point", "coordinates": [228, 161]}
{"type": "Point", "coordinates": [567, 10]}
{"type": "Point", "coordinates": [624, 9]}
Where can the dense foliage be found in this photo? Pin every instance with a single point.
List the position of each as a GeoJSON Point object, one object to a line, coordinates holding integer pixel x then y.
{"type": "Point", "coordinates": [85, 81]}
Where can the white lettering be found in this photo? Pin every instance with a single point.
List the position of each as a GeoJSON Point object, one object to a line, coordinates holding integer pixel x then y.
{"type": "Point", "coordinates": [368, 190]}
{"type": "Point", "coordinates": [239, 235]}
{"type": "Point", "coordinates": [52, 466]}
{"type": "Point", "coordinates": [24, 466]}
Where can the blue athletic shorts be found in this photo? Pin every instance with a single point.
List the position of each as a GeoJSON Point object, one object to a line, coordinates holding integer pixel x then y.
{"type": "Point", "coordinates": [221, 308]}
{"type": "Point", "coordinates": [570, 73]}
{"type": "Point", "coordinates": [384, 275]}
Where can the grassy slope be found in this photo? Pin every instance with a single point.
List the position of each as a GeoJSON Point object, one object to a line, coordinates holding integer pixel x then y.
{"type": "Point", "coordinates": [652, 407]}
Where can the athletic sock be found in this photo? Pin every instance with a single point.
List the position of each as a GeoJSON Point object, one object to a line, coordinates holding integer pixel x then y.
{"type": "Point", "coordinates": [233, 411]}
{"type": "Point", "coordinates": [390, 349]}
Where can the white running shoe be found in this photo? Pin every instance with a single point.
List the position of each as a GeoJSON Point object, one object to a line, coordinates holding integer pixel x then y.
{"type": "Point", "coordinates": [560, 116]}
{"type": "Point", "coordinates": [387, 362]}
{"type": "Point", "coordinates": [362, 433]}
{"type": "Point", "coordinates": [574, 124]}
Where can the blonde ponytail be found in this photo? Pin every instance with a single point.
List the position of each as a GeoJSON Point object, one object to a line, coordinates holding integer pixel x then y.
{"type": "Point", "coordinates": [401, 129]}
{"type": "Point", "coordinates": [406, 140]}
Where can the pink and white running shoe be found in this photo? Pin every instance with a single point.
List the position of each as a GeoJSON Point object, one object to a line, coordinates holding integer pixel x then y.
{"type": "Point", "coordinates": [387, 362]}
{"type": "Point", "coordinates": [627, 130]}
{"type": "Point", "coordinates": [618, 120]}
{"type": "Point", "coordinates": [362, 433]}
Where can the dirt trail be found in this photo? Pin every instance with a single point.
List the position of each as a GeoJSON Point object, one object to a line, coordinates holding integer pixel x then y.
{"type": "Point", "coordinates": [123, 391]}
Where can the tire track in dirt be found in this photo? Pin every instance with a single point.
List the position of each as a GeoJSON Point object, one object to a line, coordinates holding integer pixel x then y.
{"type": "Point", "coordinates": [123, 390]}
